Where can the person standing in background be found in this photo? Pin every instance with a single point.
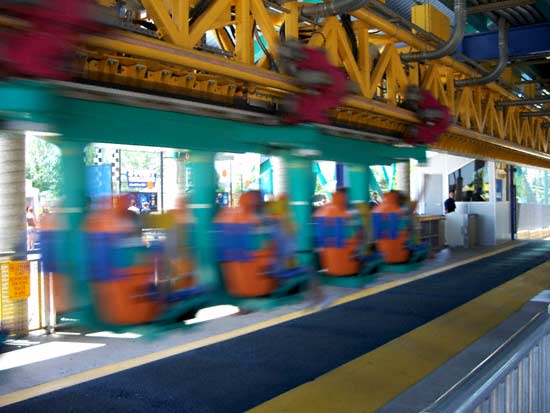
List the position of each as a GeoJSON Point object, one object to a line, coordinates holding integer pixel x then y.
{"type": "Point", "coordinates": [133, 208]}
{"type": "Point", "coordinates": [374, 200]}
{"type": "Point", "coordinates": [145, 208]}
{"type": "Point", "coordinates": [450, 205]}
{"type": "Point", "coordinates": [31, 228]}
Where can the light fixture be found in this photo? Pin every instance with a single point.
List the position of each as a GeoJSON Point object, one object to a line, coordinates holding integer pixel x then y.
{"type": "Point", "coordinates": [306, 152]}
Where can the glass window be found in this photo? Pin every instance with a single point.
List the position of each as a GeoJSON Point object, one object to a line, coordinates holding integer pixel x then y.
{"type": "Point", "coordinates": [531, 185]}
{"type": "Point", "coordinates": [471, 182]}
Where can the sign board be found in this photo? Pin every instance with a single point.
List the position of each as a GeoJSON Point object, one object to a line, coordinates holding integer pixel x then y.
{"type": "Point", "coordinates": [141, 179]}
{"type": "Point", "coordinates": [499, 190]}
{"type": "Point", "coordinates": [99, 181]}
{"type": "Point", "coordinates": [19, 280]}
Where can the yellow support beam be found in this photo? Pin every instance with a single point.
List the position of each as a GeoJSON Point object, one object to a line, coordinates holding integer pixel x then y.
{"type": "Point", "coordinates": [224, 40]}
{"type": "Point", "coordinates": [244, 47]}
{"type": "Point", "coordinates": [380, 68]}
{"type": "Point", "coordinates": [291, 20]}
{"type": "Point", "coordinates": [180, 15]}
{"type": "Point", "coordinates": [264, 22]}
{"type": "Point", "coordinates": [346, 55]}
{"type": "Point", "coordinates": [206, 21]}
{"type": "Point", "coordinates": [365, 60]}
{"type": "Point", "coordinates": [375, 21]}
{"type": "Point", "coordinates": [161, 16]}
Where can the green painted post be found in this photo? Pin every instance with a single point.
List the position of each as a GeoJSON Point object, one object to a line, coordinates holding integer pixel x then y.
{"type": "Point", "coordinates": [301, 184]}
{"type": "Point", "coordinates": [359, 184]}
{"type": "Point", "coordinates": [203, 178]}
{"type": "Point", "coordinates": [72, 214]}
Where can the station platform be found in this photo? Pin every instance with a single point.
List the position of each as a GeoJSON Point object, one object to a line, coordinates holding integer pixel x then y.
{"type": "Point", "coordinates": [343, 349]}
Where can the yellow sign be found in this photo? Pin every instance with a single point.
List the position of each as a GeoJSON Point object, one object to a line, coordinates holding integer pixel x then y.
{"type": "Point", "coordinates": [19, 280]}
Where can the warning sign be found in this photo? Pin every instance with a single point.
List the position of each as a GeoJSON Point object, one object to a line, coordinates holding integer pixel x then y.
{"type": "Point", "coordinates": [19, 280]}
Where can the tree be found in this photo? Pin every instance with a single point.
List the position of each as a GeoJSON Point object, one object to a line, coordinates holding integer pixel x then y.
{"type": "Point", "coordinates": [43, 165]}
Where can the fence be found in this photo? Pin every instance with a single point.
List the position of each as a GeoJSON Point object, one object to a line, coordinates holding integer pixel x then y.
{"type": "Point", "coordinates": [515, 378]}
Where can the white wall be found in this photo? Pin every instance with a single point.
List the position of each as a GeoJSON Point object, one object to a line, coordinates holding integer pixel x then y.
{"type": "Point", "coordinates": [170, 183]}
{"type": "Point", "coordinates": [502, 228]}
{"type": "Point", "coordinates": [493, 217]}
{"type": "Point", "coordinates": [279, 175]}
{"type": "Point", "coordinates": [533, 216]}
{"type": "Point", "coordinates": [438, 164]}
{"type": "Point", "coordinates": [485, 212]}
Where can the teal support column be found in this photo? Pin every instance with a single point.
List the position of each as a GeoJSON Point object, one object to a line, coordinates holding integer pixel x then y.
{"type": "Point", "coordinates": [301, 184]}
{"type": "Point", "coordinates": [358, 176]}
{"type": "Point", "coordinates": [203, 177]}
{"type": "Point", "coordinates": [72, 214]}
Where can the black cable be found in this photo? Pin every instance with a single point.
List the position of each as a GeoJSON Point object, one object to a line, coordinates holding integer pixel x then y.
{"type": "Point", "coordinates": [272, 63]}
{"type": "Point", "coordinates": [228, 35]}
{"type": "Point", "coordinates": [346, 23]}
{"type": "Point", "coordinates": [198, 10]}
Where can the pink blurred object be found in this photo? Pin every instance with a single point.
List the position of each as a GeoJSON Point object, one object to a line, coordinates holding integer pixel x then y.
{"type": "Point", "coordinates": [44, 48]}
{"type": "Point", "coordinates": [435, 117]}
{"type": "Point", "coordinates": [314, 107]}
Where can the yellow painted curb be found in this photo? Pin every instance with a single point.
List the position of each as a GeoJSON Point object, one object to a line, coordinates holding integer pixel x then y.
{"type": "Point", "coordinates": [370, 381]}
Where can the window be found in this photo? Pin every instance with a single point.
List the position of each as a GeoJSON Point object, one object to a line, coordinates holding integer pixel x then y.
{"type": "Point", "coordinates": [471, 182]}
{"type": "Point", "coordinates": [531, 185]}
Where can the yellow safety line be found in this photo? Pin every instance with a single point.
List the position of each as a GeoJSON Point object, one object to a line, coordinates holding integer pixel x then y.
{"type": "Point", "coordinates": [96, 373]}
{"type": "Point", "coordinates": [369, 382]}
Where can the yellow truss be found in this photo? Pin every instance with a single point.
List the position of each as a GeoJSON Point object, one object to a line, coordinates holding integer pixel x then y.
{"type": "Point", "coordinates": [174, 64]}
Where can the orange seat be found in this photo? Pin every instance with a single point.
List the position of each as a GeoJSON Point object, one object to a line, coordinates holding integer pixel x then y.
{"type": "Point", "coordinates": [390, 232]}
{"type": "Point", "coordinates": [338, 246]}
{"type": "Point", "coordinates": [245, 255]}
{"type": "Point", "coordinates": [120, 268]}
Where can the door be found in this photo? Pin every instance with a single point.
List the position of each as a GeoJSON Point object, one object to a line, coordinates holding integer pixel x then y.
{"type": "Point", "coordinates": [433, 195]}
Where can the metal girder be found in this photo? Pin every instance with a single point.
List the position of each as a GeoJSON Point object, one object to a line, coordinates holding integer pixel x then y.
{"type": "Point", "coordinates": [537, 81]}
{"type": "Point", "coordinates": [523, 41]}
{"type": "Point", "coordinates": [521, 102]}
{"type": "Point", "coordinates": [173, 65]}
{"type": "Point", "coordinates": [174, 31]}
{"type": "Point", "coordinates": [533, 114]}
{"type": "Point", "coordinates": [372, 19]}
{"type": "Point", "coordinates": [472, 114]}
{"type": "Point", "coordinates": [499, 5]}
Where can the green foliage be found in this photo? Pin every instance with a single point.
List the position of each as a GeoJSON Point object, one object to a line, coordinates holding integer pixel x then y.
{"type": "Point", "coordinates": [89, 152]}
{"type": "Point", "coordinates": [43, 165]}
{"type": "Point", "coordinates": [530, 185]}
{"type": "Point", "coordinates": [379, 176]}
{"type": "Point", "coordinates": [318, 186]}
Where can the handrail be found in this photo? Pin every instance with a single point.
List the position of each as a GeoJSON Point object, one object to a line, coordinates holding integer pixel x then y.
{"type": "Point", "coordinates": [477, 385]}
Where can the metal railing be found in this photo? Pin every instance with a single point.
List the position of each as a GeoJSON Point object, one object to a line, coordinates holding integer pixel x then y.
{"type": "Point", "coordinates": [515, 378]}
